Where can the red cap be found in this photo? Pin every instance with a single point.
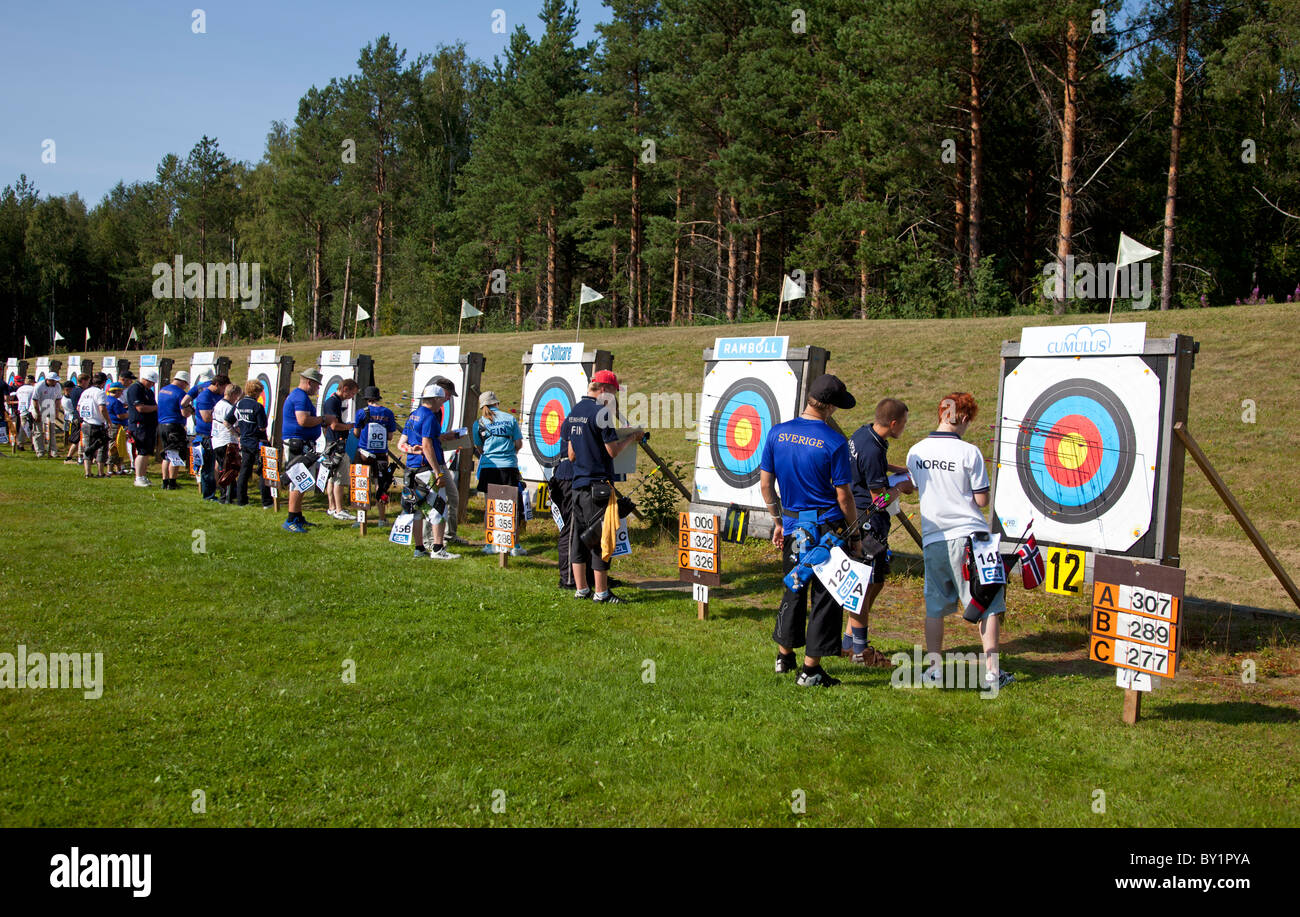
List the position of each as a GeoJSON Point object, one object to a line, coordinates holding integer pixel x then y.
{"type": "Point", "coordinates": [605, 377]}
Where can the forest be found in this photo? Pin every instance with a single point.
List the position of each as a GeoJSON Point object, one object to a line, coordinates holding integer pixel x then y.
{"type": "Point", "coordinates": [900, 158]}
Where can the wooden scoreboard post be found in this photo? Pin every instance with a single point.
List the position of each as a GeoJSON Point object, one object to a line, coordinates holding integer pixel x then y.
{"type": "Point", "coordinates": [502, 503]}
{"type": "Point", "coordinates": [1136, 621]}
{"type": "Point", "coordinates": [699, 555]}
{"type": "Point", "coordinates": [271, 473]}
{"type": "Point", "coordinates": [360, 492]}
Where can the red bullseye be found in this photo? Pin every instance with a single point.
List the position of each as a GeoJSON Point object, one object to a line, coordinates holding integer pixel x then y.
{"type": "Point", "coordinates": [1073, 450]}
{"type": "Point", "coordinates": [744, 432]}
{"type": "Point", "coordinates": [552, 421]}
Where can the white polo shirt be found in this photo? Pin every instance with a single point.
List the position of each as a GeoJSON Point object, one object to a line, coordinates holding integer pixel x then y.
{"type": "Point", "coordinates": [25, 393]}
{"type": "Point", "coordinates": [88, 407]}
{"type": "Point", "coordinates": [47, 395]}
{"type": "Point", "coordinates": [222, 435]}
{"type": "Point", "coordinates": [948, 472]}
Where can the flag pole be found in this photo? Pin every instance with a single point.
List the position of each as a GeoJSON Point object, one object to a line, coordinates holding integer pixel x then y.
{"type": "Point", "coordinates": [458, 325]}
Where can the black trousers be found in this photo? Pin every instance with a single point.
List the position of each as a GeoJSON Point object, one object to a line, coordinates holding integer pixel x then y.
{"type": "Point", "coordinates": [248, 459]}
{"type": "Point", "coordinates": [809, 617]}
{"type": "Point", "coordinates": [562, 495]}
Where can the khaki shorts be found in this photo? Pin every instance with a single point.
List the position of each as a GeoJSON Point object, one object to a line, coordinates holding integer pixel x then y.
{"type": "Point", "coordinates": [946, 589]}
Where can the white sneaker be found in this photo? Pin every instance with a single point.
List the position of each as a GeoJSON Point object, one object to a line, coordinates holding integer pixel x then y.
{"type": "Point", "coordinates": [343, 515]}
{"type": "Point", "coordinates": [456, 539]}
{"type": "Point", "coordinates": [518, 551]}
{"type": "Point", "coordinates": [141, 482]}
{"type": "Point", "coordinates": [932, 676]}
{"type": "Point", "coordinates": [444, 554]}
{"type": "Point", "coordinates": [489, 549]}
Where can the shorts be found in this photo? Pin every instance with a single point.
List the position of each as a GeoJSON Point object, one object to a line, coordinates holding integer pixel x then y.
{"type": "Point", "coordinates": [585, 512]}
{"type": "Point", "coordinates": [144, 439]}
{"type": "Point", "coordinates": [810, 617]}
{"type": "Point", "coordinates": [94, 442]}
{"type": "Point", "coordinates": [507, 476]}
{"type": "Point", "coordinates": [946, 588]}
{"type": "Point", "coordinates": [73, 428]}
{"type": "Point", "coordinates": [173, 437]}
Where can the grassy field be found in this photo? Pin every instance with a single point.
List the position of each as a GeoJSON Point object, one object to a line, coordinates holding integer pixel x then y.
{"type": "Point", "coordinates": [224, 673]}
{"type": "Point", "coordinates": [1243, 356]}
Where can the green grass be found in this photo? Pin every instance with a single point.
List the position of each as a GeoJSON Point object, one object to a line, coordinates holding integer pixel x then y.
{"type": "Point", "coordinates": [223, 673]}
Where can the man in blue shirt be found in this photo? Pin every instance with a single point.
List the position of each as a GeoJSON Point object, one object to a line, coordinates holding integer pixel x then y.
{"type": "Point", "coordinates": [375, 426]}
{"type": "Point", "coordinates": [420, 443]}
{"type": "Point", "coordinates": [869, 456]}
{"type": "Point", "coordinates": [250, 426]}
{"type": "Point", "coordinates": [142, 421]}
{"type": "Point", "coordinates": [204, 403]}
{"type": "Point", "coordinates": [117, 434]}
{"type": "Point", "coordinates": [593, 444]}
{"type": "Point", "coordinates": [808, 462]}
{"type": "Point", "coordinates": [299, 427]}
{"type": "Point", "coordinates": [171, 427]}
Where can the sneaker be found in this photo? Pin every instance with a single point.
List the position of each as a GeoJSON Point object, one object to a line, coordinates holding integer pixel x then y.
{"type": "Point", "coordinates": [310, 525]}
{"type": "Point", "coordinates": [582, 593]}
{"type": "Point", "coordinates": [456, 539]}
{"type": "Point", "coordinates": [932, 676]}
{"type": "Point", "coordinates": [342, 515]}
{"type": "Point", "coordinates": [609, 599]}
{"type": "Point", "coordinates": [817, 679]}
{"type": "Point", "coordinates": [518, 551]}
{"type": "Point", "coordinates": [872, 658]}
{"type": "Point", "coordinates": [443, 554]}
{"type": "Point", "coordinates": [142, 482]}
{"type": "Point", "coordinates": [1002, 678]}
{"type": "Point", "coordinates": [293, 527]}
{"type": "Point", "coordinates": [489, 549]}
{"type": "Point", "coordinates": [420, 552]}
{"type": "Point", "coordinates": [785, 664]}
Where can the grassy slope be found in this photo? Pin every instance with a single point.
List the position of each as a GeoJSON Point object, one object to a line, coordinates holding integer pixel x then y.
{"type": "Point", "coordinates": [223, 674]}
{"type": "Point", "coordinates": [1245, 353]}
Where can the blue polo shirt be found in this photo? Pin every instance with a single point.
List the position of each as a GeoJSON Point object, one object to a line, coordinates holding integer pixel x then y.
{"type": "Point", "coordinates": [380, 417]}
{"type": "Point", "coordinates": [423, 423]}
{"type": "Point", "coordinates": [250, 422]}
{"type": "Point", "coordinates": [588, 436]}
{"type": "Point", "coordinates": [497, 438]}
{"type": "Point", "coordinates": [205, 401]}
{"type": "Point", "coordinates": [116, 409]}
{"type": "Point", "coordinates": [298, 400]}
{"type": "Point", "coordinates": [809, 460]}
{"type": "Point", "coordinates": [169, 403]}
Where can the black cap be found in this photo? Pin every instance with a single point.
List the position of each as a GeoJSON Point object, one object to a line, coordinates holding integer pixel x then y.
{"type": "Point", "coordinates": [370, 394]}
{"type": "Point", "coordinates": [446, 383]}
{"type": "Point", "coordinates": [829, 389]}
{"type": "Point", "coordinates": [126, 374]}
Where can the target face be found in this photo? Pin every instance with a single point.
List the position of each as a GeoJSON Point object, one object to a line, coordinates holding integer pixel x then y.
{"type": "Point", "coordinates": [11, 371]}
{"type": "Point", "coordinates": [1076, 457]}
{"type": "Point", "coordinates": [742, 400]}
{"type": "Point", "coordinates": [745, 414]}
{"type": "Point", "coordinates": [552, 403]}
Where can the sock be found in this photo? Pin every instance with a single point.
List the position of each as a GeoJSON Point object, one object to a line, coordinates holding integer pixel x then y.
{"type": "Point", "coordinates": [859, 638]}
{"type": "Point", "coordinates": [437, 548]}
{"type": "Point", "coordinates": [846, 642]}
{"type": "Point", "coordinates": [785, 657]}
{"type": "Point", "coordinates": [603, 595]}
{"type": "Point", "coordinates": [811, 669]}
{"type": "Point", "coordinates": [582, 593]}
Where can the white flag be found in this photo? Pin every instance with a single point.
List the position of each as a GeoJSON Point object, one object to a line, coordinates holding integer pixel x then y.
{"type": "Point", "coordinates": [790, 290]}
{"type": "Point", "coordinates": [57, 336]}
{"type": "Point", "coordinates": [468, 311]}
{"type": "Point", "coordinates": [26, 343]}
{"type": "Point", "coordinates": [286, 321]}
{"type": "Point", "coordinates": [87, 337]}
{"type": "Point", "coordinates": [362, 314]}
{"type": "Point", "coordinates": [1131, 252]}
{"type": "Point", "coordinates": [166, 330]}
{"type": "Point", "coordinates": [223, 327]}
{"type": "Point", "coordinates": [132, 336]}
{"type": "Point", "coordinates": [589, 295]}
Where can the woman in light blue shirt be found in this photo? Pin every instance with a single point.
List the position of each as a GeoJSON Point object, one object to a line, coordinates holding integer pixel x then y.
{"type": "Point", "coordinates": [497, 441]}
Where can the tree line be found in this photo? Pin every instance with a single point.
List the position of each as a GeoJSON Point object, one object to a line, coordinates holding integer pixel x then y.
{"type": "Point", "coordinates": [903, 158]}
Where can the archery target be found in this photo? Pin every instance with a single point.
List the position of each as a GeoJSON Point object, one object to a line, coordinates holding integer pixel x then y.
{"type": "Point", "coordinates": [264, 367]}
{"type": "Point", "coordinates": [742, 401]}
{"type": "Point", "coordinates": [1076, 456]}
{"type": "Point", "coordinates": [550, 391]}
{"type": "Point", "coordinates": [11, 371]}
{"type": "Point", "coordinates": [74, 369]}
{"type": "Point", "coordinates": [436, 361]}
{"type": "Point", "coordinates": [42, 369]}
{"type": "Point", "coordinates": [335, 366]}
{"type": "Point", "coordinates": [108, 366]}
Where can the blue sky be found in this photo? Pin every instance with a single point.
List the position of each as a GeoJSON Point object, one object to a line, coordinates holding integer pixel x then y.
{"type": "Point", "coordinates": [118, 84]}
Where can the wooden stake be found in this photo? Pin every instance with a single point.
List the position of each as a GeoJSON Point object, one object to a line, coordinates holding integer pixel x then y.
{"type": "Point", "coordinates": [1238, 512]}
{"type": "Point", "coordinates": [702, 611]}
{"type": "Point", "coordinates": [1132, 706]}
{"type": "Point", "coordinates": [363, 519]}
{"type": "Point", "coordinates": [504, 560]}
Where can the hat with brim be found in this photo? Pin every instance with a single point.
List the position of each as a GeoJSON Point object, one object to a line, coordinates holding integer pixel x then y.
{"type": "Point", "coordinates": [311, 374]}
{"type": "Point", "coordinates": [371, 394]}
{"type": "Point", "coordinates": [488, 398]}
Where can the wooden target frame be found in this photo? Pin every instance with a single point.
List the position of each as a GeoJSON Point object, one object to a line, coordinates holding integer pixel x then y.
{"type": "Point", "coordinates": [466, 370]}
{"type": "Point", "coordinates": [744, 394]}
{"type": "Point", "coordinates": [1101, 393]}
